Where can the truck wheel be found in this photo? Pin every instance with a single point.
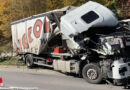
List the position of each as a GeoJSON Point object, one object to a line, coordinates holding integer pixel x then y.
{"type": "Point", "coordinates": [92, 73]}
{"type": "Point", "coordinates": [29, 61]}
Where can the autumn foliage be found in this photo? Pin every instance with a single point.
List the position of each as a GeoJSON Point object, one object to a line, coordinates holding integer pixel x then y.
{"type": "Point", "coordinates": [12, 10]}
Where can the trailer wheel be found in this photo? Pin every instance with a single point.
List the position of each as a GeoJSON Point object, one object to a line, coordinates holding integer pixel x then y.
{"type": "Point", "coordinates": [29, 61]}
{"type": "Point", "coordinates": [92, 73]}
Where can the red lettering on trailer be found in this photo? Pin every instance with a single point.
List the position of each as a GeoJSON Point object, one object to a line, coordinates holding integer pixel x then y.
{"type": "Point", "coordinates": [46, 26]}
{"type": "Point", "coordinates": [29, 34]}
{"type": "Point", "coordinates": [37, 28]}
{"type": "Point", "coordinates": [24, 41]}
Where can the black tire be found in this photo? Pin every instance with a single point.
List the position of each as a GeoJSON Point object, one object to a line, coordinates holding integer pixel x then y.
{"type": "Point", "coordinates": [92, 73]}
{"type": "Point", "coordinates": [29, 61]}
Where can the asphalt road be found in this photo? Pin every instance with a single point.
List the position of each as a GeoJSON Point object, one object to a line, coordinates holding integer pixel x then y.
{"type": "Point", "coordinates": [45, 79]}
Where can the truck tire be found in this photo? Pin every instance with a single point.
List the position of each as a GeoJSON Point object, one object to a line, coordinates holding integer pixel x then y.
{"type": "Point", "coordinates": [92, 73]}
{"type": "Point", "coordinates": [29, 61]}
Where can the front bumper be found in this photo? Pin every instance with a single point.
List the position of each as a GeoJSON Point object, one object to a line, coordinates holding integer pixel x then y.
{"type": "Point", "coordinates": [125, 81]}
{"type": "Point", "coordinates": [120, 70]}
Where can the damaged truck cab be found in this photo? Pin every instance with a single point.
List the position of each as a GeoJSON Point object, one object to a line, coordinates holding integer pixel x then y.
{"type": "Point", "coordinates": [86, 40]}
{"type": "Point", "coordinates": [92, 29]}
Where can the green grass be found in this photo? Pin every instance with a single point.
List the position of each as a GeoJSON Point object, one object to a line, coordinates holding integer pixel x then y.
{"type": "Point", "coordinates": [6, 48]}
{"type": "Point", "coordinates": [10, 61]}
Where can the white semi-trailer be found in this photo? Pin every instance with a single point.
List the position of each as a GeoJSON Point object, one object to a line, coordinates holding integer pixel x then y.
{"type": "Point", "coordinates": [86, 40]}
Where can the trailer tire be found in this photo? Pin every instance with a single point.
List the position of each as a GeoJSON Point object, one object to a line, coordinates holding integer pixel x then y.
{"type": "Point", "coordinates": [29, 61]}
{"type": "Point", "coordinates": [92, 73]}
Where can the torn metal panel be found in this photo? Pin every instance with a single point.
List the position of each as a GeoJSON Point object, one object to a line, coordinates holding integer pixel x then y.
{"type": "Point", "coordinates": [84, 17]}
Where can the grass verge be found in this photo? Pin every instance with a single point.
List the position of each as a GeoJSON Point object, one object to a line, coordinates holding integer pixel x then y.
{"type": "Point", "coordinates": [6, 48]}
{"type": "Point", "coordinates": [11, 61]}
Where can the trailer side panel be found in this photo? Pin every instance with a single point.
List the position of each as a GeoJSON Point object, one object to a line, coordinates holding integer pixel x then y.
{"type": "Point", "coordinates": [30, 34]}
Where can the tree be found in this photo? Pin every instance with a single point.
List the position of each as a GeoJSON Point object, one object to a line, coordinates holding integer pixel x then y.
{"type": "Point", "coordinates": [54, 4]}
{"type": "Point", "coordinates": [5, 16]}
{"type": "Point", "coordinates": [12, 10]}
{"type": "Point", "coordinates": [25, 8]}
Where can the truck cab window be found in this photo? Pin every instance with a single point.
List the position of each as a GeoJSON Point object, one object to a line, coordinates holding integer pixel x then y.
{"type": "Point", "coordinates": [90, 17]}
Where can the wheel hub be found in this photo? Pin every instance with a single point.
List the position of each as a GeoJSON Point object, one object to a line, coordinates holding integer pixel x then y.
{"type": "Point", "coordinates": [92, 74]}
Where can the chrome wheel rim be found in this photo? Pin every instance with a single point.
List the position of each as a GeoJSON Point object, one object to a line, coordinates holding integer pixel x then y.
{"type": "Point", "coordinates": [92, 74]}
